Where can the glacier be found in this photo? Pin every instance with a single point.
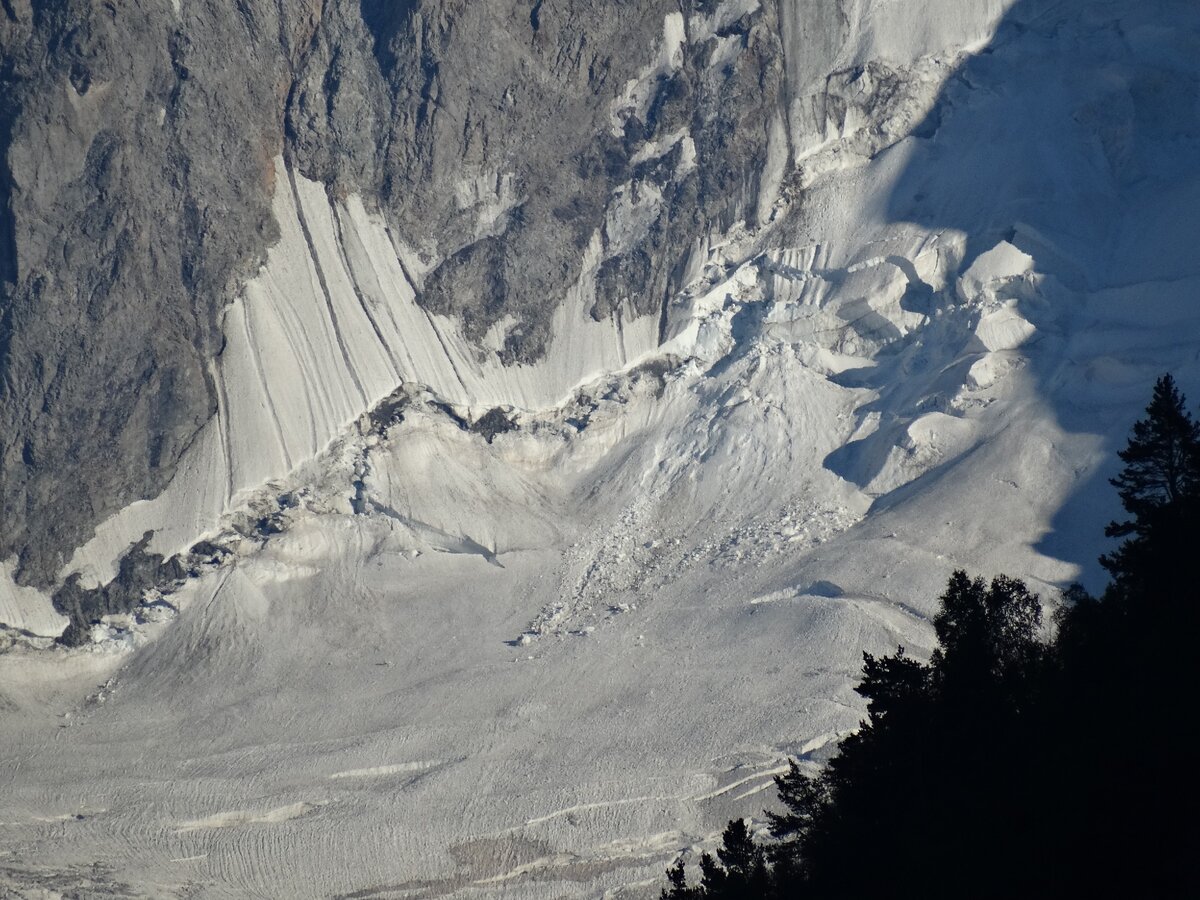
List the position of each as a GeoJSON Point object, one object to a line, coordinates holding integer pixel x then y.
{"type": "Point", "coordinates": [544, 662]}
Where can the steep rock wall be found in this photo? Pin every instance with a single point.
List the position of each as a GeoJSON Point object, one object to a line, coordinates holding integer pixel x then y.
{"type": "Point", "coordinates": [513, 149]}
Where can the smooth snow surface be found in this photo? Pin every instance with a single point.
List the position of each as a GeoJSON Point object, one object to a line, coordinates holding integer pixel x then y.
{"type": "Point", "coordinates": [542, 666]}
{"type": "Point", "coordinates": [27, 611]}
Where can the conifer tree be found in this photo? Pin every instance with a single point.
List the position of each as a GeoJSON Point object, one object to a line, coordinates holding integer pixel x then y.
{"type": "Point", "coordinates": [1162, 460]}
{"type": "Point", "coordinates": [1159, 488]}
{"type": "Point", "coordinates": [740, 874]}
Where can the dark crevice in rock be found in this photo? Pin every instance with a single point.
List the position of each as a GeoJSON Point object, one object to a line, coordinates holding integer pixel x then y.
{"type": "Point", "coordinates": [385, 20]}
{"type": "Point", "coordinates": [495, 421]}
{"type": "Point", "coordinates": [389, 411]}
{"type": "Point", "coordinates": [453, 416]}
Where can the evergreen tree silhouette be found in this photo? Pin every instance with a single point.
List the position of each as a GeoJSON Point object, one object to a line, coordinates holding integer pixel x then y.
{"type": "Point", "coordinates": [741, 873]}
{"type": "Point", "coordinates": [1160, 490]}
{"type": "Point", "coordinates": [1162, 460]}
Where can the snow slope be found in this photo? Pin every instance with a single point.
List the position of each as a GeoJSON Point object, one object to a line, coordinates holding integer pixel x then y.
{"type": "Point", "coordinates": [329, 328]}
{"type": "Point", "coordinates": [541, 666]}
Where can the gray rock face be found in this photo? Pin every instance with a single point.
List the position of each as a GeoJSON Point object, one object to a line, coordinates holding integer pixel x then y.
{"type": "Point", "coordinates": [505, 141]}
{"type": "Point", "coordinates": [486, 132]}
{"type": "Point", "coordinates": [135, 193]}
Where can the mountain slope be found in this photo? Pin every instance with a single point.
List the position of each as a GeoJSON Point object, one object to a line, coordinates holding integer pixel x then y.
{"type": "Point", "coordinates": [438, 651]}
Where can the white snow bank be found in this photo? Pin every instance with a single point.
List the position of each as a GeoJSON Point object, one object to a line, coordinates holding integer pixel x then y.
{"type": "Point", "coordinates": [1002, 263]}
{"type": "Point", "coordinates": [27, 609]}
{"type": "Point", "coordinates": [612, 625]}
{"type": "Point", "coordinates": [1003, 329]}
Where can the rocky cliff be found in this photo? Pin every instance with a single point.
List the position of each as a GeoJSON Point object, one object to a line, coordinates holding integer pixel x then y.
{"type": "Point", "coordinates": [138, 144]}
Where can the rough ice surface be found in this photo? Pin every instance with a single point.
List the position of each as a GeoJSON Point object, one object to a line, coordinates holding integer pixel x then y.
{"type": "Point", "coordinates": [542, 666]}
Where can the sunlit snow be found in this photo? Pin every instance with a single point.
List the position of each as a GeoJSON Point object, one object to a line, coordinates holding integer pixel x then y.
{"type": "Point", "coordinates": [542, 666]}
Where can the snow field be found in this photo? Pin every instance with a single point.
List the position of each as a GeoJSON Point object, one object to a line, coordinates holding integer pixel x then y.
{"type": "Point", "coordinates": [541, 667]}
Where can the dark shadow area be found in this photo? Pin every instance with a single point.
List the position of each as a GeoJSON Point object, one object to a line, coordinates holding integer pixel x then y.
{"type": "Point", "coordinates": [744, 327]}
{"type": "Point", "coordinates": [385, 19]}
{"type": "Point", "coordinates": [1074, 135]}
{"type": "Point", "coordinates": [8, 245]}
{"type": "Point", "coordinates": [860, 461]}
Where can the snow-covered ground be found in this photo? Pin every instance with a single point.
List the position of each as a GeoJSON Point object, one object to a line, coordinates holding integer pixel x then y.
{"type": "Point", "coordinates": [541, 666]}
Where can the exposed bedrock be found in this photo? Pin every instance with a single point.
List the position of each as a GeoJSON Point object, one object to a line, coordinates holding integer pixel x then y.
{"type": "Point", "coordinates": [136, 192]}
{"type": "Point", "coordinates": [501, 142]}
